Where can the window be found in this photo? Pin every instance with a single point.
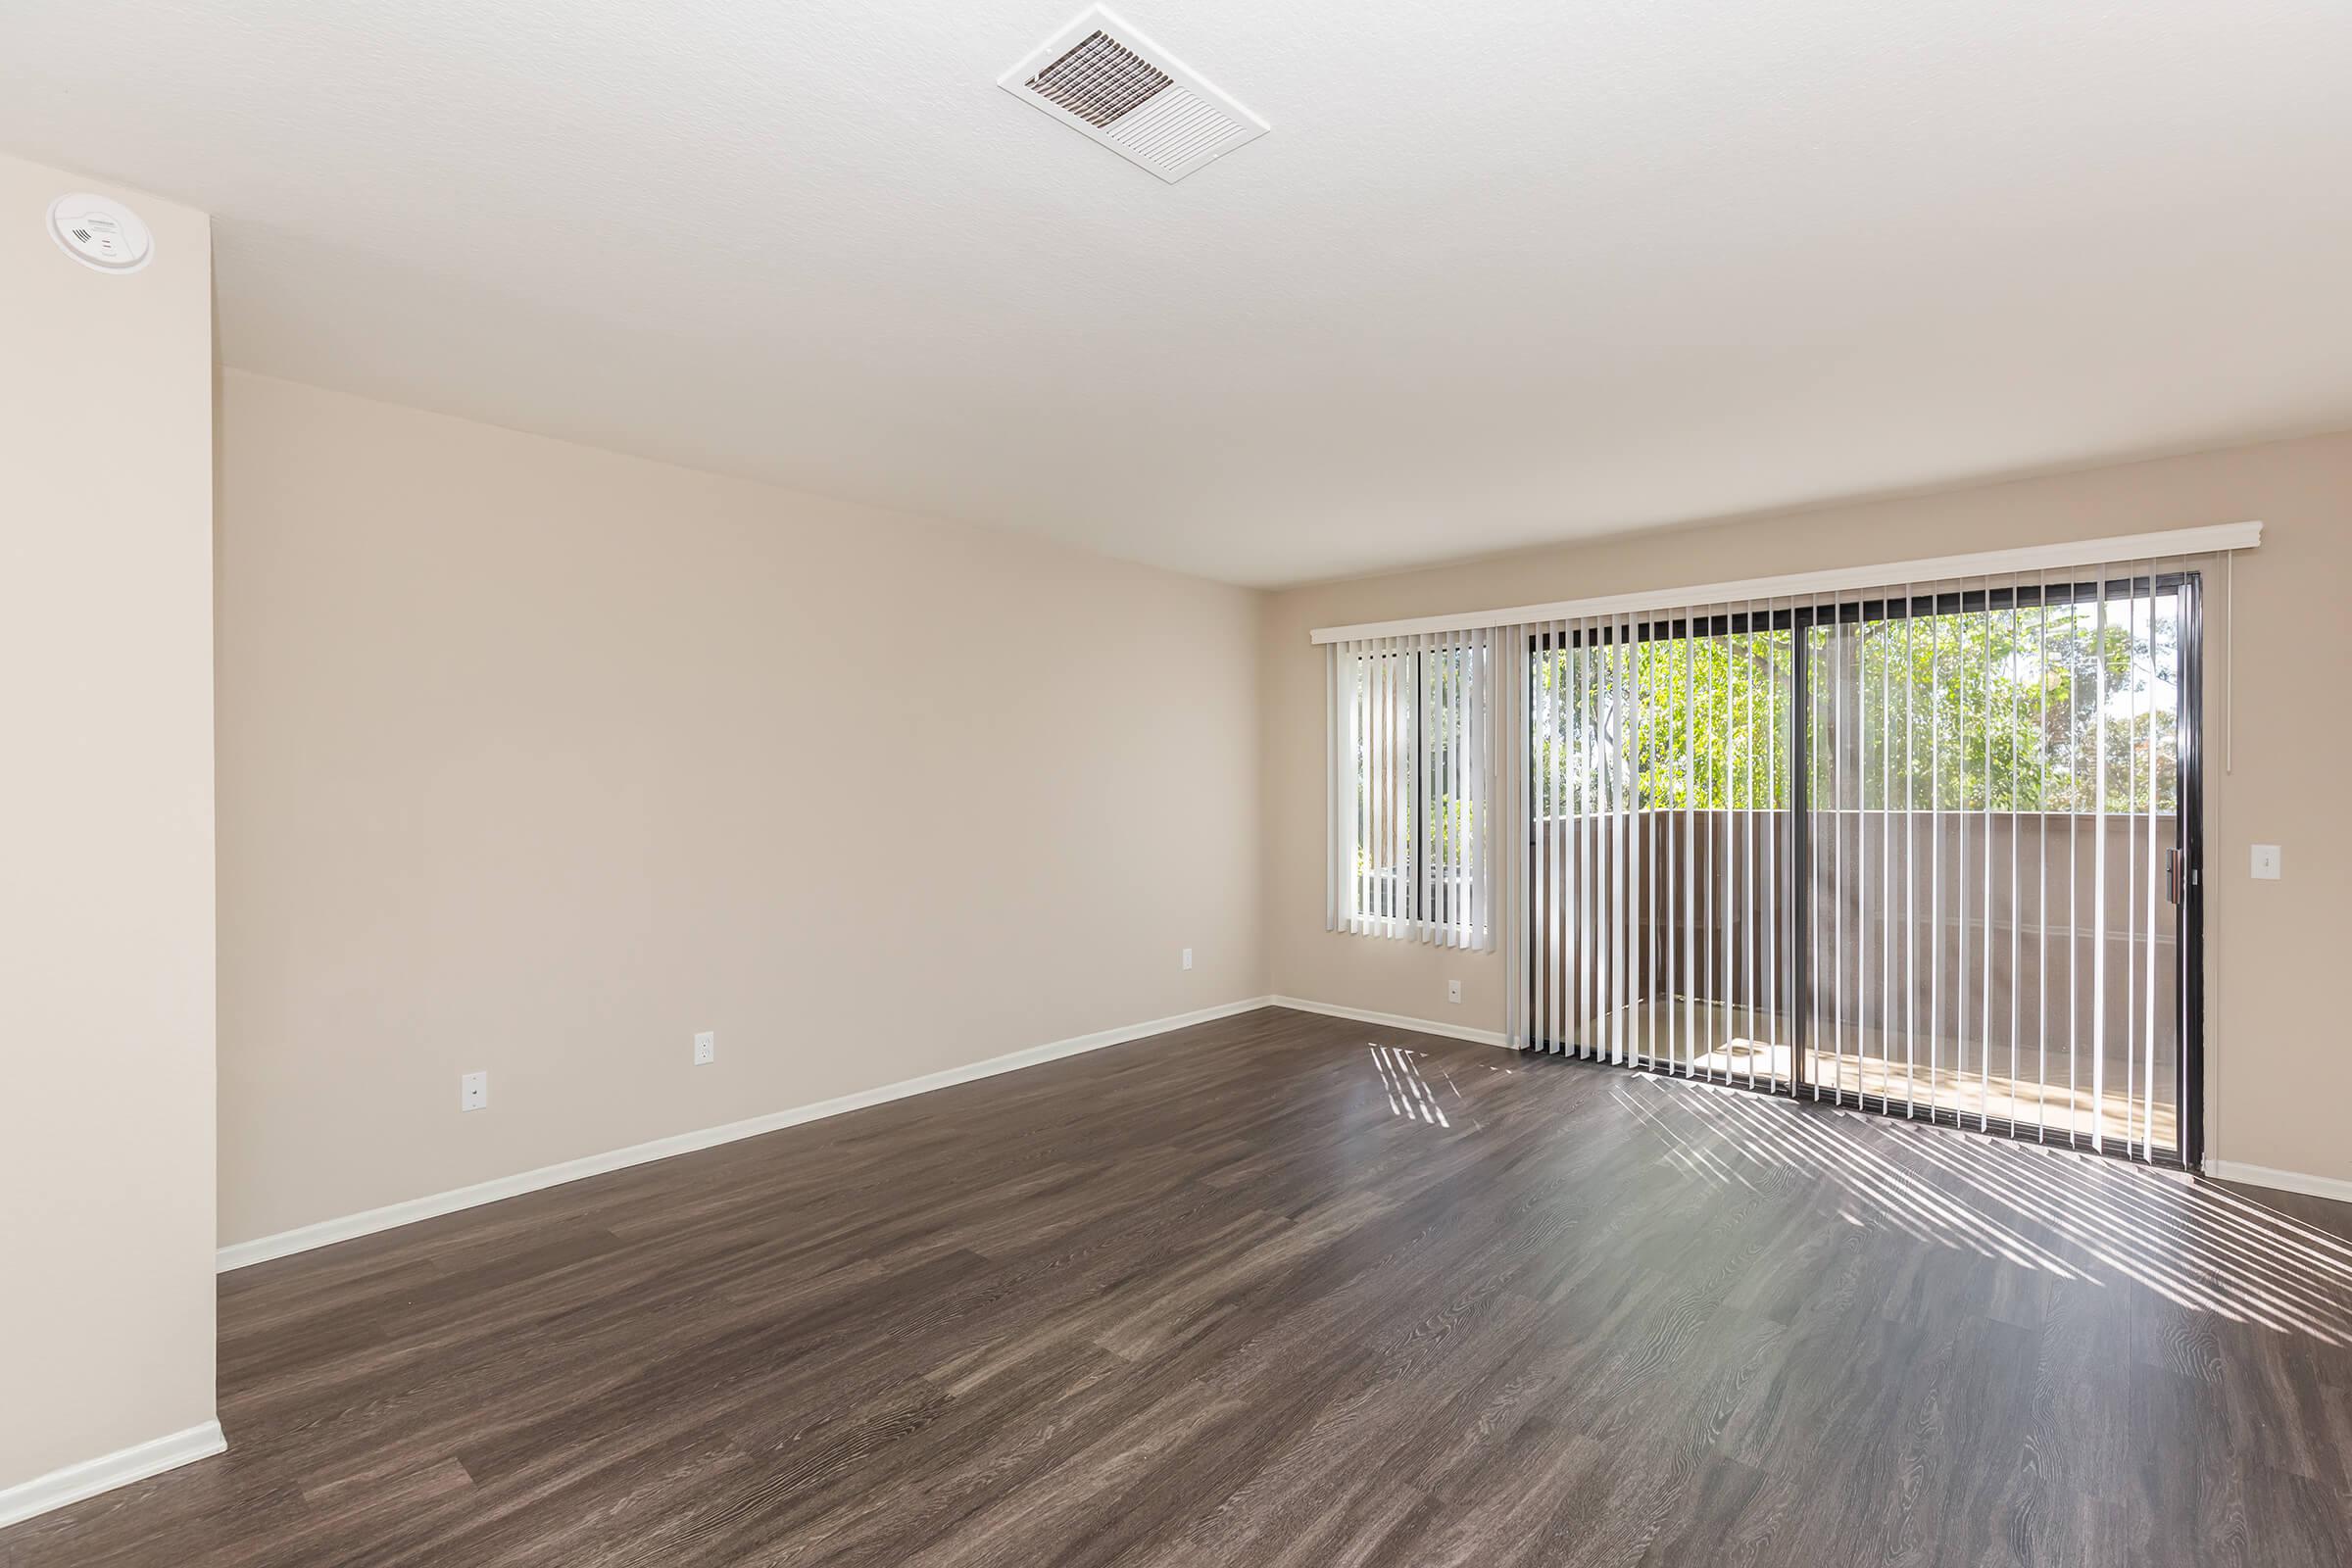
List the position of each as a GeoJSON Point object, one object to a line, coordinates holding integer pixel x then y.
{"type": "Point", "coordinates": [1412, 743]}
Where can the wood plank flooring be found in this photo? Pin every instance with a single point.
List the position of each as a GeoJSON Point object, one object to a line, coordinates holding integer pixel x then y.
{"type": "Point", "coordinates": [1282, 1290]}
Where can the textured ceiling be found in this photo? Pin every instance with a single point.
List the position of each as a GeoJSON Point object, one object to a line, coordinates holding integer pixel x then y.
{"type": "Point", "coordinates": [1500, 274]}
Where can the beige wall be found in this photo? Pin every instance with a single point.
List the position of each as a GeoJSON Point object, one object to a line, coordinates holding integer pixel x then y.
{"type": "Point", "coordinates": [2278, 1073]}
{"type": "Point", "coordinates": [537, 758]}
{"type": "Point", "coordinates": [106, 883]}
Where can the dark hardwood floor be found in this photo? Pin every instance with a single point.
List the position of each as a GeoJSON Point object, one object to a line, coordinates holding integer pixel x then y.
{"type": "Point", "coordinates": [1282, 1290]}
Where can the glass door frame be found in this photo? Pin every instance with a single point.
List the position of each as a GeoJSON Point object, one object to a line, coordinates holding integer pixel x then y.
{"type": "Point", "coordinates": [2188, 585]}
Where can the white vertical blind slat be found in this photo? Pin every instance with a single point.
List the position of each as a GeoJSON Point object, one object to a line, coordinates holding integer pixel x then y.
{"type": "Point", "coordinates": [1385, 885]}
{"type": "Point", "coordinates": [1568, 751]}
{"type": "Point", "coordinates": [1384, 718]}
{"type": "Point", "coordinates": [1383, 731]}
{"type": "Point", "coordinates": [1335, 818]}
{"type": "Point", "coordinates": [1574, 854]}
{"type": "Point", "coordinates": [1368, 794]}
{"type": "Point", "coordinates": [1654, 854]}
{"type": "Point", "coordinates": [1808, 708]}
{"type": "Point", "coordinates": [1891, 845]}
{"type": "Point", "coordinates": [1451, 915]}
{"type": "Point", "coordinates": [1477, 738]}
{"type": "Point", "coordinates": [2041, 858]}
{"type": "Point", "coordinates": [1775, 858]}
{"type": "Point", "coordinates": [1590, 1034]}
{"type": "Point", "coordinates": [1984, 1044]}
{"type": "Point", "coordinates": [1350, 788]}
{"type": "Point", "coordinates": [2148, 960]}
{"type": "Point", "coordinates": [1570, 925]}
{"type": "Point", "coordinates": [1745, 687]}
{"type": "Point", "coordinates": [1864, 870]}
{"type": "Point", "coordinates": [1632, 994]}
{"type": "Point", "coordinates": [1935, 908]}
{"type": "Point", "coordinates": [1670, 910]}
{"type": "Point", "coordinates": [2132, 794]}
{"type": "Point", "coordinates": [1458, 788]}
{"type": "Point", "coordinates": [2160, 680]}
{"type": "Point", "coordinates": [1416, 664]}
{"type": "Point", "coordinates": [2098, 879]}
{"type": "Point", "coordinates": [2016, 887]}
{"type": "Point", "coordinates": [1543, 691]}
{"type": "Point", "coordinates": [1579, 864]}
{"type": "Point", "coordinates": [1685, 929]}
{"type": "Point", "coordinates": [1614, 718]}
{"type": "Point", "coordinates": [1375, 783]}
{"type": "Point", "coordinates": [1428, 818]}
{"type": "Point", "coordinates": [1593, 775]}
{"type": "Point", "coordinates": [1447, 795]}
{"type": "Point", "coordinates": [1435, 818]}
{"type": "Point", "coordinates": [1401, 804]}
{"type": "Point", "coordinates": [1902, 714]}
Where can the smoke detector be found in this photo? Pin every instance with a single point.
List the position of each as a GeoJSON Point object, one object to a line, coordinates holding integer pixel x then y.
{"type": "Point", "coordinates": [1105, 80]}
{"type": "Point", "coordinates": [100, 233]}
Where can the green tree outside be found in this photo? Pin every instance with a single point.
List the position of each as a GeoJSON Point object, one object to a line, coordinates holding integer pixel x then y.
{"type": "Point", "coordinates": [2010, 710]}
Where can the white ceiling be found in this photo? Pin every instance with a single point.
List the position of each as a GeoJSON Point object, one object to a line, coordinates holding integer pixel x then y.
{"type": "Point", "coordinates": [1500, 274]}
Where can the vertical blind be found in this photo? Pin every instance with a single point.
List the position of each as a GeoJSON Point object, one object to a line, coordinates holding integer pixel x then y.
{"type": "Point", "coordinates": [1927, 847]}
{"type": "Point", "coordinates": [1412, 769]}
{"type": "Point", "coordinates": [1659, 856]}
{"type": "Point", "coordinates": [1921, 851]}
{"type": "Point", "coordinates": [2005, 866]}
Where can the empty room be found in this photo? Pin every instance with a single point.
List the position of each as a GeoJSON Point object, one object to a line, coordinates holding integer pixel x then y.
{"type": "Point", "coordinates": [1280, 785]}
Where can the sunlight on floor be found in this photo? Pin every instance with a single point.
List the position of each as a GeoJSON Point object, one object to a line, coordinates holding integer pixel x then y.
{"type": "Point", "coordinates": [2045, 1090]}
{"type": "Point", "coordinates": [1408, 1092]}
{"type": "Point", "coordinates": [2077, 1216]}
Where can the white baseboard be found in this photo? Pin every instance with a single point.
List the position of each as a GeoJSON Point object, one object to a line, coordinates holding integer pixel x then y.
{"type": "Point", "coordinates": [108, 1471]}
{"type": "Point", "coordinates": [2285, 1181]}
{"type": "Point", "coordinates": [1392, 1020]}
{"type": "Point", "coordinates": [326, 1233]}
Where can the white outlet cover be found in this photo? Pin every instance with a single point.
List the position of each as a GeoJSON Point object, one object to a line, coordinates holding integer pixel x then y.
{"type": "Point", "coordinates": [1187, 958]}
{"type": "Point", "coordinates": [705, 1048]}
{"type": "Point", "coordinates": [2266, 862]}
{"type": "Point", "coordinates": [473, 1090]}
{"type": "Point", "coordinates": [1453, 991]}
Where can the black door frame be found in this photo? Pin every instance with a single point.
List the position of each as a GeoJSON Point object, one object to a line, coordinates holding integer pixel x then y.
{"type": "Point", "coordinates": [2189, 834]}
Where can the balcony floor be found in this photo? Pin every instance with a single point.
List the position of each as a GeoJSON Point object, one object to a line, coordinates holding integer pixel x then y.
{"type": "Point", "coordinates": [2101, 1104]}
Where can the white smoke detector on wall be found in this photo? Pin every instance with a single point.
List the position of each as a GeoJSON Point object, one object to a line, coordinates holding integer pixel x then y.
{"type": "Point", "coordinates": [101, 233]}
{"type": "Point", "coordinates": [1107, 81]}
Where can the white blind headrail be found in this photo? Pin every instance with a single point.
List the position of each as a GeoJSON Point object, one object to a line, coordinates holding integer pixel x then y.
{"type": "Point", "coordinates": [2213, 539]}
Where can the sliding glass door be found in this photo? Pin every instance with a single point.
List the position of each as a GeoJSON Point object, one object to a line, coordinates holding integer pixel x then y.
{"type": "Point", "coordinates": [1664, 847]}
{"type": "Point", "coordinates": [1930, 854]}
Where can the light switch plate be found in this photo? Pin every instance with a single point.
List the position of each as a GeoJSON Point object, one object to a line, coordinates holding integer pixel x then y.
{"type": "Point", "coordinates": [2266, 862]}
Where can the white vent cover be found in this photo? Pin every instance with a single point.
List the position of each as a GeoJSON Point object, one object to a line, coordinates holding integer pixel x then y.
{"type": "Point", "coordinates": [1101, 77]}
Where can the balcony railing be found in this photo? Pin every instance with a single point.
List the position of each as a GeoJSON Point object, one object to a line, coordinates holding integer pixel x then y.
{"type": "Point", "coordinates": [1957, 961]}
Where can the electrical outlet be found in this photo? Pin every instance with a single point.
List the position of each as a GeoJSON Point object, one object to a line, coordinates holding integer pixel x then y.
{"type": "Point", "coordinates": [1453, 991]}
{"type": "Point", "coordinates": [1187, 958]}
{"type": "Point", "coordinates": [2266, 862]}
{"type": "Point", "coordinates": [705, 1048]}
{"type": "Point", "coordinates": [473, 1090]}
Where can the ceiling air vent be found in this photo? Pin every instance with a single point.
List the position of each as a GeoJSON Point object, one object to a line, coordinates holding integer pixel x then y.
{"type": "Point", "coordinates": [1103, 78]}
